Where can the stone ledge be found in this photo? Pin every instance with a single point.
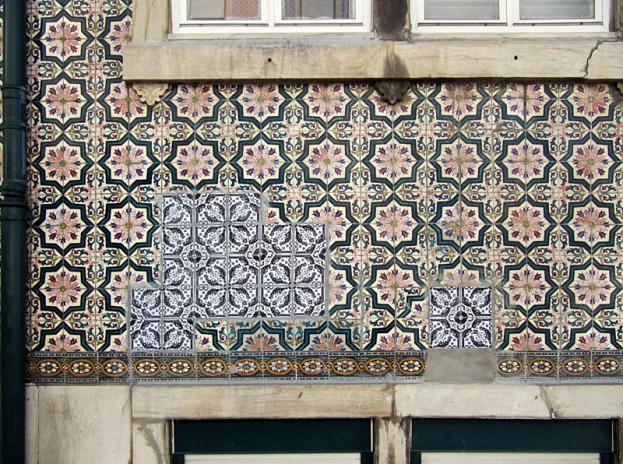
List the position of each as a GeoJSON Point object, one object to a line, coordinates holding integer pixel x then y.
{"type": "Point", "coordinates": [352, 59]}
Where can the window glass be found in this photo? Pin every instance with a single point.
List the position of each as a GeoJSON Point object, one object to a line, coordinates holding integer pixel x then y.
{"type": "Point", "coordinates": [317, 9]}
{"type": "Point", "coordinates": [556, 9]}
{"type": "Point", "coordinates": [510, 458]}
{"type": "Point", "coordinates": [468, 10]}
{"type": "Point", "coordinates": [227, 10]}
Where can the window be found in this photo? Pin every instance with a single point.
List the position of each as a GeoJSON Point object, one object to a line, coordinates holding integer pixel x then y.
{"type": "Point", "coordinates": [499, 16]}
{"type": "Point", "coordinates": [500, 441]}
{"type": "Point", "coordinates": [271, 16]}
{"type": "Point", "coordinates": [279, 441]}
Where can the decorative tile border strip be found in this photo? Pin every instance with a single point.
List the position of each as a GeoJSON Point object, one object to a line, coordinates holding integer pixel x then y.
{"type": "Point", "coordinates": [540, 367]}
{"type": "Point", "coordinates": [532, 367]}
{"type": "Point", "coordinates": [271, 366]}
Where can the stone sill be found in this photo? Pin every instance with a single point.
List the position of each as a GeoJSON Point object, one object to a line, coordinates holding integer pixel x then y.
{"type": "Point", "coordinates": [313, 59]}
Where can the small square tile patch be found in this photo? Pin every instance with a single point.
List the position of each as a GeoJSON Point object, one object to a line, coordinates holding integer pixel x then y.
{"type": "Point", "coordinates": [460, 317]}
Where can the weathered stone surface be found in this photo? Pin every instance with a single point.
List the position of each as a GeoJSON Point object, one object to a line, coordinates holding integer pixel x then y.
{"type": "Point", "coordinates": [391, 19]}
{"type": "Point", "coordinates": [582, 401]}
{"type": "Point", "coordinates": [460, 365]}
{"type": "Point", "coordinates": [78, 424]}
{"type": "Point", "coordinates": [347, 59]}
{"type": "Point", "coordinates": [470, 400]}
{"type": "Point", "coordinates": [32, 424]}
{"type": "Point", "coordinates": [261, 401]}
{"type": "Point", "coordinates": [150, 442]}
{"type": "Point", "coordinates": [606, 62]}
{"type": "Point", "coordinates": [391, 441]}
{"type": "Point", "coordinates": [81, 424]}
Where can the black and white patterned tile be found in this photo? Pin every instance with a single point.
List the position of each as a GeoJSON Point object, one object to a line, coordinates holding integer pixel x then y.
{"type": "Point", "coordinates": [213, 301]}
{"type": "Point", "coordinates": [220, 261]}
{"type": "Point", "coordinates": [147, 303]}
{"type": "Point", "coordinates": [211, 208]}
{"type": "Point", "coordinates": [145, 334]}
{"type": "Point", "coordinates": [175, 239]}
{"type": "Point", "coordinates": [177, 210]}
{"type": "Point", "coordinates": [461, 317]}
{"type": "Point", "coordinates": [176, 335]}
{"type": "Point", "coordinates": [243, 208]}
{"type": "Point", "coordinates": [309, 301]}
{"type": "Point", "coordinates": [176, 273]}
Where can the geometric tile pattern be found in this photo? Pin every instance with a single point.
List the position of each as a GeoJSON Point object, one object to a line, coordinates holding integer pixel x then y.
{"type": "Point", "coordinates": [460, 317]}
{"type": "Point", "coordinates": [220, 260]}
{"type": "Point", "coordinates": [512, 186]}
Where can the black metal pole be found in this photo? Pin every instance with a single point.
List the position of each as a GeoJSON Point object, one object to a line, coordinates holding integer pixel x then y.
{"type": "Point", "coordinates": [13, 229]}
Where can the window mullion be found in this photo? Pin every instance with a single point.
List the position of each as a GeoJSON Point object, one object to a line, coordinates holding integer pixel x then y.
{"type": "Point", "coordinates": [512, 11]}
{"type": "Point", "coordinates": [419, 12]}
{"type": "Point", "coordinates": [268, 9]}
{"type": "Point", "coordinates": [601, 11]}
{"type": "Point", "coordinates": [179, 11]}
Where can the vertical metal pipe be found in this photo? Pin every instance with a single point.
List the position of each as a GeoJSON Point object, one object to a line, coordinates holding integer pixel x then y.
{"type": "Point", "coordinates": [13, 229]}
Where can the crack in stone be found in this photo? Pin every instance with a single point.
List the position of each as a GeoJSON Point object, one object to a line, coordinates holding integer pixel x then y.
{"type": "Point", "coordinates": [591, 53]}
{"type": "Point", "coordinates": [546, 399]}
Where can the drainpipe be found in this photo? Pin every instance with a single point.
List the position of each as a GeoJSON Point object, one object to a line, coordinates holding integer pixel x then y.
{"type": "Point", "coordinates": [13, 229]}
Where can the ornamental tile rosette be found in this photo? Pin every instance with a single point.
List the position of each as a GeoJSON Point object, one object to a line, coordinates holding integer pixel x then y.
{"type": "Point", "coordinates": [325, 101]}
{"type": "Point", "coordinates": [261, 102]}
{"type": "Point", "coordinates": [129, 225]}
{"type": "Point", "coordinates": [63, 101]}
{"type": "Point", "coordinates": [592, 225]}
{"type": "Point", "coordinates": [63, 164]}
{"type": "Point", "coordinates": [62, 39]}
{"type": "Point", "coordinates": [260, 163]}
{"type": "Point", "coordinates": [590, 102]}
{"type": "Point", "coordinates": [195, 164]}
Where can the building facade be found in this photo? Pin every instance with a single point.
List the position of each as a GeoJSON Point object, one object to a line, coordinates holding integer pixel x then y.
{"type": "Point", "coordinates": [384, 227]}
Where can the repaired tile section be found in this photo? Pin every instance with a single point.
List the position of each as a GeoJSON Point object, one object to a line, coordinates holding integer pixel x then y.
{"type": "Point", "coordinates": [460, 317]}
{"type": "Point", "coordinates": [220, 261]}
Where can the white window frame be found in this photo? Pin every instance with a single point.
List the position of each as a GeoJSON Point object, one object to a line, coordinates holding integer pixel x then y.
{"type": "Point", "coordinates": [510, 22]}
{"type": "Point", "coordinates": [300, 458]}
{"type": "Point", "coordinates": [270, 21]}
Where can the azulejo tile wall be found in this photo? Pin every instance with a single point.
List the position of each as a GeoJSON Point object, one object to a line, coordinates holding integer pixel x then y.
{"type": "Point", "coordinates": [512, 190]}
